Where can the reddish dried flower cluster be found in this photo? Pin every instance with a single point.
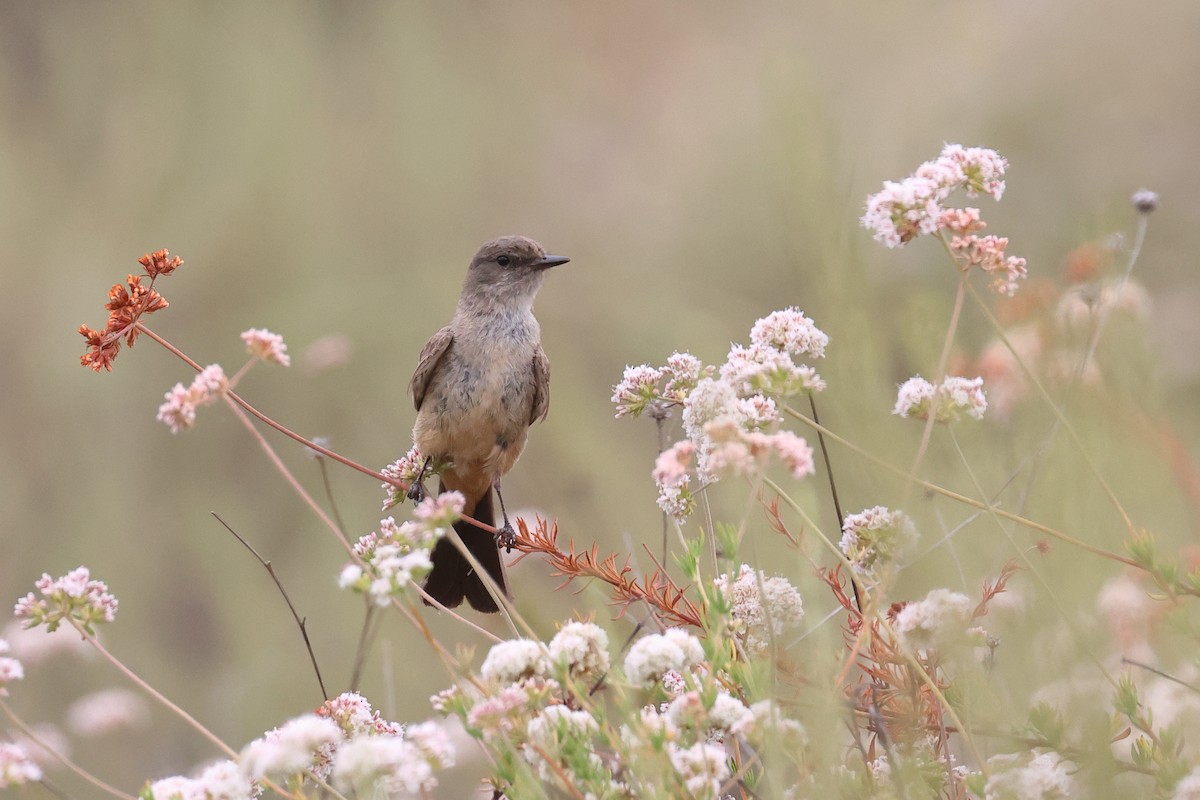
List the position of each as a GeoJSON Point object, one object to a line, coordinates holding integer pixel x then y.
{"type": "Point", "coordinates": [126, 304]}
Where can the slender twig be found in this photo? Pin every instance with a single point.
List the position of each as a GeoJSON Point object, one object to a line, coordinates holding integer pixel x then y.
{"type": "Point", "coordinates": [333, 507]}
{"type": "Point", "coordinates": [66, 762]}
{"type": "Point", "coordinates": [301, 622]}
{"type": "Point", "coordinates": [1161, 674]}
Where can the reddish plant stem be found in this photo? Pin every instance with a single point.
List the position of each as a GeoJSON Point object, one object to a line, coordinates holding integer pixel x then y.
{"type": "Point", "coordinates": [232, 395]}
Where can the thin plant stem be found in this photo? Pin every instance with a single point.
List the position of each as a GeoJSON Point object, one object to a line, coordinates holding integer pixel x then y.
{"type": "Point", "coordinates": [1024, 556]}
{"type": "Point", "coordinates": [66, 762]}
{"type": "Point", "coordinates": [969, 501]}
{"type": "Point", "coordinates": [943, 360]}
{"type": "Point", "coordinates": [301, 623]}
{"type": "Point", "coordinates": [1058, 412]}
{"type": "Point", "coordinates": [325, 451]}
{"type": "Point", "coordinates": [157, 695]}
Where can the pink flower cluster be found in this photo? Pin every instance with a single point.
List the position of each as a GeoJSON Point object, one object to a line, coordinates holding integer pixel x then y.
{"type": "Point", "coordinates": [10, 668]}
{"type": "Point", "coordinates": [179, 410]}
{"type": "Point", "coordinates": [727, 412]}
{"type": "Point", "coordinates": [398, 555]}
{"type": "Point", "coordinates": [74, 596]}
{"type": "Point", "coordinates": [948, 401]}
{"type": "Point", "coordinates": [263, 344]}
{"type": "Point", "coordinates": [903, 210]}
{"type": "Point", "coordinates": [16, 766]}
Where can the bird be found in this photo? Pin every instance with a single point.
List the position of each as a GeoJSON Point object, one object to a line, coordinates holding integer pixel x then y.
{"type": "Point", "coordinates": [480, 383]}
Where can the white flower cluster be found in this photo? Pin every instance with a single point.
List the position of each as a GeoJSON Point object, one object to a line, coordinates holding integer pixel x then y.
{"type": "Point", "coordinates": [10, 668]}
{"type": "Point", "coordinates": [906, 209]}
{"type": "Point", "coordinates": [762, 607]}
{"type": "Point", "coordinates": [1046, 776]}
{"type": "Point", "coordinates": [400, 554]}
{"type": "Point", "coordinates": [727, 413]}
{"type": "Point", "coordinates": [949, 401]}
{"type": "Point", "coordinates": [16, 767]}
{"type": "Point", "coordinates": [179, 409]}
{"type": "Point", "coordinates": [74, 595]}
{"type": "Point", "coordinates": [877, 536]}
{"type": "Point", "coordinates": [582, 647]}
{"type": "Point", "coordinates": [263, 344]}
{"type": "Point", "coordinates": [348, 742]}
{"type": "Point", "coordinates": [935, 621]}
{"type": "Point", "coordinates": [223, 780]}
{"type": "Point", "coordinates": [656, 654]}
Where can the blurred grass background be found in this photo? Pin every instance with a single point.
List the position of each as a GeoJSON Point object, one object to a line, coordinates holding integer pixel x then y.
{"type": "Point", "coordinates": [328, 169]}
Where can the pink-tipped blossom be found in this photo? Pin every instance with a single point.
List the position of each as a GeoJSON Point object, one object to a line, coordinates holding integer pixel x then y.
{"type": "Point", "coordinates": [406, 470]}
{"type": "Point", "coordinates": [949, 401]}
{"type": "Point", "coordinates": [790, 331]}
{"type": "Point", "coordinates": [703, 768]}
{"type": "Point", "coordinates": [304, 743]}
{"type": "Point", "coordinates": [263, 344]}
{"type": "Point", "coordinates": [179, 409]}
{"type": "Point", "coordinates": [388, 561]}
{"type": "Point", "coordinates": [638, 389]}
{"type": "Point", "coordinates": [10, 668]}
{"type": "Point", "coordinates": [988, 253]}
{"type": "Point", "coordinates": [877, 536]}
{"type": "Point", "coordinates": [762, 608]}
{"type": "Point", "coordinates": [73, 596]}
{"type": "Point", "coordinates": [16, 767]}
{"type": "Point", "coordinates": [762, 369]}
{"type": "Point", "coordinates": [937, 620]}
{"type": "Point", "coordinates": [654, 655]}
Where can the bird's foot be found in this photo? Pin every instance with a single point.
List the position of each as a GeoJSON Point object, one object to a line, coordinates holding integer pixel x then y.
{"type": "Point", "coordinates": [416, 491]}
{"type": "Point", "coordinates": [506, 537]}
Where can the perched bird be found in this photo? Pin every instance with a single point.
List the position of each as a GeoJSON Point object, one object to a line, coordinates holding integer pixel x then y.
{"type": "Point", "coordinates": [480, 382]}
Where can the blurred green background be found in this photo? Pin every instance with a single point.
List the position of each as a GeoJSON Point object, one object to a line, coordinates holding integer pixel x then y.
{"type": "Point", "coordinates": [328, 169]}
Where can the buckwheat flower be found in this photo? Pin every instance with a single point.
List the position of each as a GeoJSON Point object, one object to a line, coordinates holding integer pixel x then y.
{"type": "Point", "coordinates": [790, 331]}
{"type": "Point", "coordinates": [508, 662]}
{"type": "Point", "coordinates": [939, 619]}
{"type": "Point", "coordinates": [767, 723]}
{"type": "Point", "coordinates": [395, 557]}
{"type": "Point", "coordinates": [386, 764]}
{"type": "Point", "coordinates": [582, 647]}
{"type": "Point", "coordinates": [405, 469]}
{"type": "Point", "coordinates": [658, 653]}
{"type": "Point", "coordinates": [263, 344]}
{"type": "Point", "coordinates": [961, 221]}
{"type": "Point", "coordinates": [432, 739]}
{"type": "Point", "coordinates": [877, 536]}
{"type": "Point", "coordinates": [10, 668]}
{"type": "Point", "coordinates": [638, 388]}
{"type": "Point", "coordinates": [948, 401]}
{"type": "Point", "coordinates": [107, 711]}
{"type": "Point", "coordinates": [440, 512]}
{"type": "Point", "coordinates": [672, 465]}
{"type": "Point", "coordinates": [795, 453]}
{"type": "Point", "coordinates": [179, 410]}
{"type": "Point", "coordinates": [762, 369]}
{"type": "Point", "coordinates": [16, 767]}
{"type": "Point", "coordinates": [176, 787]}
{"type": "Point", "coordinates": [708, 401]}
{"type": "Point", "coordinates": [901, 211]}
{"type": "Point", "coordinates": [501, 714]}
{"type": "Point", "coordinates": [73, 596]}
{"type": "Point", "coordinates": [300, 744]}
{"type": "Point", "coordinates": [703, 767]}
{"type": "Point", "coordinates": [1189, 787]}
{"type": "Point", "coordinates": [1046, 776]}
{"type": "Point", "coordinates": [1145, 201]}
{"type": "Point", "coordinates": [354, 716]}
{"type": "Point", "coordinates": [557, 732]}
{"type": "Point", "coordinates": [981, 168]}
{"type": "Point", "coordinates": [988, 253]}
{"type": "Point", "coordinates": [682, 372]}
{"type": "Point", "coordinates": [723, 714]}
{"type": "Point", "coordinates": [224, 780]}
{"type": "Point", "coordinates": [754, 600]}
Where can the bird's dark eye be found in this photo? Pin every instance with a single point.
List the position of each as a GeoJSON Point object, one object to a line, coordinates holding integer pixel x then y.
{"type": "Point", "coordinates": [503, 261]}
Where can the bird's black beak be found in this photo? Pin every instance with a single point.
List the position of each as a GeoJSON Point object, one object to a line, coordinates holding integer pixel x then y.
{"type": "Point", "coordinates": [546, 262]}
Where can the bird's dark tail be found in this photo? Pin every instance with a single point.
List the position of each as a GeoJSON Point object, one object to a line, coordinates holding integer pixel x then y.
{"type": "Point", "coordinates": [453, 578]}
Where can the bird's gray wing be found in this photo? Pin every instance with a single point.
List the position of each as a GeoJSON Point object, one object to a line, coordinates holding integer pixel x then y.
{"type": "Point", "coordinates": [431, 355]}
{"type": "Point", "coordinates": [541, 385]}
